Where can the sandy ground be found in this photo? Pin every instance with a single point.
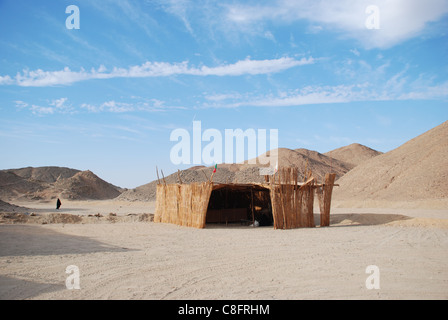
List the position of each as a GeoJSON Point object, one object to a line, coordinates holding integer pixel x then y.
{"type": "Point", "coordinates": [146, 260]}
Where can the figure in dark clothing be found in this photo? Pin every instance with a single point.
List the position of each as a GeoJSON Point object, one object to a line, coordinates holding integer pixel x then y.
{"type": "Point", "coordinates": [58, 204]}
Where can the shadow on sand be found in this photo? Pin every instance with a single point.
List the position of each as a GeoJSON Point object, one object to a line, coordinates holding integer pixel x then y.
{"type": "Point", "coordinates": [12, 288]}
{"type": "Point", "coordinates": [26, 240]}
{"type": "Point", "coordinates": [364, 219]}
{"type": "Point", "coordinates": [336, 220]}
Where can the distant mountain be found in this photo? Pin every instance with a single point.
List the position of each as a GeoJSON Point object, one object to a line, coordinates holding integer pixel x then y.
{"type": "Point", "coordinates": [305, 159]}
{"type": "Point", "coordinates": [44, 174]}
{"type": "Point", "coordinates": [52, 182]}
{"type": "Point", "coordinates": [417, 170]}
{"type": "Point", "coordinates": [12, 185]}
{"type": "Point", "coordinates": [302, 159]}
{"type": "Point", "coordinates": [353, 154]}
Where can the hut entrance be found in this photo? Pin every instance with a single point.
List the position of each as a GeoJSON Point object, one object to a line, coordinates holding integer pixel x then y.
{"type": "Point", "coordinates": [240, 204]}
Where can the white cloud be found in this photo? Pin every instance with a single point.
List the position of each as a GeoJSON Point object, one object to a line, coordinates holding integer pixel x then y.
{"type": "Point", "coordinates": [253, 67]}
{"type": "Point", "coordinates": [41, 110]}
{"type": "Point", "coordinates": [399, 19]}
{"type": "Point", "coordinates": [398, 89]}
{"type": "Point", "coordinates": [109, 106]}
{"type": "Point", "coordinates": [54, 106]}
{"type": "Point", "coordinates": [63, 106]}
{"type": "Point", "coordinates": [268, 35]}
{"type": "Point", "coordinates": [355, 52]}
{"type": "Point", "coordinates": [310, 95]}
{"type": "Point", "coordinates": [153, 105]}
{"type": "Point", "coordinates": [21, 104]}
{"type": "Point", "coordinates": [6, 80]}
{"type": "Point", "coordinates": [40, 78]}
{"type": "Point", "coordinates": [179, 9]}
{"type": "Point", "coordinates": [223, 96]}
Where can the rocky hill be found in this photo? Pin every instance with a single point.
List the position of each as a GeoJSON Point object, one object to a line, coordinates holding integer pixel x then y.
{"type": "Point", "coordinates": [52, 182]}
{"type": "Point", "coordinates": [353, 154]}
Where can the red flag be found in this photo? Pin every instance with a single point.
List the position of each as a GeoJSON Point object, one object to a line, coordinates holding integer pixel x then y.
{"type": "Point", "coordinates": [216, 166]}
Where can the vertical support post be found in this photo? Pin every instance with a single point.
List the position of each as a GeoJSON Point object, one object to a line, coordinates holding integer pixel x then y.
{"type": "Point", "coordinates": [178, 176]}
{"type": "Point", "coordinates": [158, 179]}
{"type": "Point", "coordinates": [327, 191]}
{"type": "Point", "coordinates": [164, 182]}
{"type": "Point", "coordinates": [252, 205]}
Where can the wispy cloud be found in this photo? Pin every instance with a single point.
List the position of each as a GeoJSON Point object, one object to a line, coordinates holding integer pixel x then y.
{"type": "Point", "coordinates": [399, 19]}
{"type": "Point", "coordinates": [6, 80]}
{"type": "Point", "coordinates": [63, 106]}
{"type": "Point", "coordinates": [179, 9]}
{"type": "Point", "coordinates": [41, 78]}
{"type": "Point", "coordinates": [123, 107]}
{"type": "Point", "coordinates": [54, 106]}
{"type": "Point", "coordinates": [310, 95]}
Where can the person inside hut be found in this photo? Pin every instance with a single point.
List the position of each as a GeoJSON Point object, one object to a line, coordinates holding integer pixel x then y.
{"type": "Point", "coordinates": [58, 204]}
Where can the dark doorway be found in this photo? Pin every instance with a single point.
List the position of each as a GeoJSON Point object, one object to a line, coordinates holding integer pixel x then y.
{"type": "Point", "coordinates": [240, 204]}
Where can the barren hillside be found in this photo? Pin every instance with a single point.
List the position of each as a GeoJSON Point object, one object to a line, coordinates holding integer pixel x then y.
{"type": "Point", "coordinates": [51, 182]}
{"type": "Point", "coordinates": [416, 170]}
{"type": "Point", "coordinates": [44, 174]}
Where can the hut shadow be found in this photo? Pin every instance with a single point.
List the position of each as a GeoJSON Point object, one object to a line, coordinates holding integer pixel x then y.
{"type": "Point", "coordinates": [336, 220]}
{"type": "Point", "coordinates": [13, 288]}
{"type": "Point", "coordinates": [26, 240]}
{"type": "Point", "coordinates": [232, 226]}
{"type": "Point", "coordinates": [362, 219]}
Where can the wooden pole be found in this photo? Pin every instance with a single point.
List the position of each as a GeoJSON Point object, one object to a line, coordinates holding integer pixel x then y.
{"type": "Point", "coordinates": [178, 176]}
{"type": "Point", "coordinates": [252, 205]}
{"type": "Point", "coordinates": [281, 197]}
{"type": "Point", "coordinates": [158, 179]}
{"type": "Point", "coordinates": [327, 191]}
{"type": "Point", "coordinates": [213, 173]}
{"type": "Point", "coordinates": [163, 177]}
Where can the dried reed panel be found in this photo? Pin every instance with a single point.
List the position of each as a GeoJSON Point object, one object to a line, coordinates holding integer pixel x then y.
{"type": "Point", "coordinates": [183, 204]}
{"type": "Point", "coordinates": [160, 202]}
{"type": "Point", "coordinates": [200, 198]}
{"type": "Point", "coordinates": [171, 204]}
{"type": "Point", "coordinates": [307, 205]}
{"type": "Point", "coordinates": [277, 208]}
{"type": "Point", "coordinates": [166, 203]}
{"type": "Point", "coordinates": [292, 205]}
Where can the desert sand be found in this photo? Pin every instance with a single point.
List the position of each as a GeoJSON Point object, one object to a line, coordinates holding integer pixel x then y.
{"type": "Point", "coordinates": [389, 210]}
{"type": "Point", "coordinates": [140, 259]}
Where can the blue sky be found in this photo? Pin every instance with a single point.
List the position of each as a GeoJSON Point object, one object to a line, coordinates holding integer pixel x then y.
{"type": "Point", "coordinates": [106, 96]}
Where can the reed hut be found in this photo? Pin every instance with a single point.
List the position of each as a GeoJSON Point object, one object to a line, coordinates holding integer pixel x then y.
{"type": "Point", "coordinates": [283, 202]}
